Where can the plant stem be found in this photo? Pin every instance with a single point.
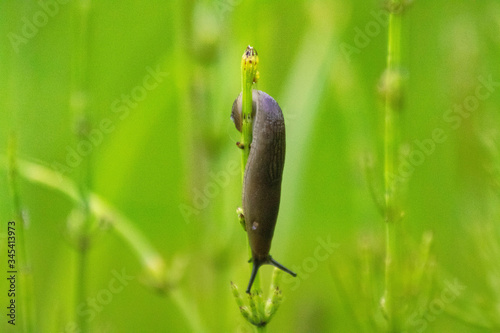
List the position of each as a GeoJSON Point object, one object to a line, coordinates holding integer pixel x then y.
{"type": "Point", "coordinates": [392, 107]}
{"type": "Point", "coordinates": [392, 295]}
{"type": "Point", "coordinates": [188, 310]}
{"type": "Point", "coordinates": [249, 75]}
{"type": "Point", "coordinates": [80, 111]}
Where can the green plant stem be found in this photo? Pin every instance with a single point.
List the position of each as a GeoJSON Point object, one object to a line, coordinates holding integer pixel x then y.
{"type": "Point", "coordinates": [390, 144]}
{"type": "Point", "coordinates": [249, 75]}
{"type": "Point", "coordinates": [392, 305]}
{"type": "Point", "coordinates": [249, 62]}
{"type": "Point", "coordinates": [187, 309]}
{"type": "Point", "coordinates": [26, 294]}
{"type": "Point", "coordinates": [80, 111]}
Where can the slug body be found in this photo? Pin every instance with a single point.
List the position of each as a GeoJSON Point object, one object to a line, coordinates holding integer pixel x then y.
{"type": "Point", "coordinates": [262, 179]}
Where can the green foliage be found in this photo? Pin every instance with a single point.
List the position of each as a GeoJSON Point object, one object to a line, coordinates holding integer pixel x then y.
{"type": "Point", "coordinates": [124, 107]}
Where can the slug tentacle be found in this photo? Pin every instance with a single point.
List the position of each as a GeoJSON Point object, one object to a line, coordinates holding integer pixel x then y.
{"type": "Point", "coordinates": [262, 178]}
{"type": "Point", "coordinates": [269, 261]}
{"type": "Point", "coordinates": [280, 266]}
{"type": "Point", "coordinates": [255, 269]}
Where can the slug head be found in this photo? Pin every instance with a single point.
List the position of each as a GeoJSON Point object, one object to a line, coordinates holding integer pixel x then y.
{"type": "Point", "coordinates": [237, 109]}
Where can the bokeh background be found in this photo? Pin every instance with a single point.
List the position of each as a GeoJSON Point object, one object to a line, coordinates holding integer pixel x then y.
{"type": "Point", "coordinates": [155, 81]}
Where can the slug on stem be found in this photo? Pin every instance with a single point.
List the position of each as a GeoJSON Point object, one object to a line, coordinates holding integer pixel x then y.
{"type": "Point", "coordinates": [262, 178]}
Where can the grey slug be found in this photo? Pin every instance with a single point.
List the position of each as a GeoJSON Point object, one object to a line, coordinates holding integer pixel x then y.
{"type": "Point", "coordinates": [262, 179]}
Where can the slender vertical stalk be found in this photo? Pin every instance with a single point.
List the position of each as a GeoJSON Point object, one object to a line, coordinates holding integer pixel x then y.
{"type": "Point", "coordinates": [392, 293]}
{"type": "Point", "coordinates": [249, 75]}
{"type": "Point", "coordinates": [26, 293]}
{"type": "Point", "coordinates": [390, 146]}
{"type": "Point", "coordinates": [188, 309]}
{"type": "Point", "coordinates": [80, 111]}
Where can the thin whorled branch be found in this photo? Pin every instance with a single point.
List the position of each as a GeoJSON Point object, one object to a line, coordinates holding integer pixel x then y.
{"type": "Point", "coordinates": [156, 273]}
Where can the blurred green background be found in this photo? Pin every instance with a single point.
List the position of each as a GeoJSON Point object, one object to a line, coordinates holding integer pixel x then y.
{"type": "Point", "coordinates": [154, 81]}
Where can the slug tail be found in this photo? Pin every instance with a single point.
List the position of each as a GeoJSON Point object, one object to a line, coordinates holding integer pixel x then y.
{"type": "Point", "coordinates": [276, 264]}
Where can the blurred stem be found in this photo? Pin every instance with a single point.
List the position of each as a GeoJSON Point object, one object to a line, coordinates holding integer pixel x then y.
{"type": "Point", "coordinates": [392, 293]}
{"type": "Point", "coordinates": [192, 317]}
{"type": "Point", "coordinates": [152, 262]}
{"type": "Point", "coordinates": [80, 111]}
{"type": "Point", "coordinates": [249, 75]}
{"type": "Point", "coordinates": [26, 302]}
